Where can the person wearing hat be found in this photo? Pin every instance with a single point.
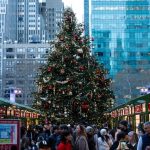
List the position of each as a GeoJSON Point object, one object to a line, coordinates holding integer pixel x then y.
{"type": "Point", "coordinates": [44, 145]}
{"type": "Point", "coordinates": [104, 141]}
{"type": "Point", "coordinates": [123, 125]}
{"type": "Point", "coordinates": [90, 138]}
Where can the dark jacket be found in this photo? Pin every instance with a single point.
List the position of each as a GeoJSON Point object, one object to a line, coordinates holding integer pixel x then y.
{"type": "Point", "coordinates": [145, 141]}
{"type": "Point", "coordinates": [91, 142]}
{"type": "Point", "coordinates": [115, 145]}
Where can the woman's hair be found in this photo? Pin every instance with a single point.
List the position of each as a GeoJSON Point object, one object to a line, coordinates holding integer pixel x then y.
{"type": "Point", "coordinates": [121, 135]}
{"type": "Point", "coordinates": [103, 135]}
{"type": "Point", "coordinates": [135, 137]}
{"type": "Point", "coordinates": [64, 135]}
{"type": "Point", "coordinates": [112, 133]}
{"type": "Point", "coordinates": [82, 130]}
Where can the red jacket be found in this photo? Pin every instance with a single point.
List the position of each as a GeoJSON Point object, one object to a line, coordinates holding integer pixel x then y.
{"type": "Point", "coordinates": [64, 146]}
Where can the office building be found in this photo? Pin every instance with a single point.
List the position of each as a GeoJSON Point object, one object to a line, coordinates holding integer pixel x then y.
{"type": "Point", "coordinates": [26, 26]}
{"type": "Point", "coordinates": [121, 32]}
{"type": "Point", "coordinates": [54, 11]}
{"type": "Point", "coordinates": [8, 20]}
{"type": "Point", "coordinates": [20, 63]}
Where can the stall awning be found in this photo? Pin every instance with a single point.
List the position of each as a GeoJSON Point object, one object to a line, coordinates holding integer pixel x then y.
{"type": "Point", "coordinates": [5, 102]}
{"type": "Point", "coordinates": [135, 101]}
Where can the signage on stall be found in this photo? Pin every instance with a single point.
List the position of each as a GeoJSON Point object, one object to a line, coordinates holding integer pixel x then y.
{"type": "Point", "coordinates": [17, 113]}
{"type": "Point", "coordinates": [148, 106]}
{"type": "Point", "coordinates": [9, 134]}
{"type": "Point", "coordinates": [126, 111]}
{"type": "Point", "coordinates": [27, 115]}
{"type": "Point", "coordinates": [114, 114]}
{"type": "Point", "coordinates": [138, 108]}
{"type": "Point", "coordinates": [3, 111]}
{"type": "Point", "coordinates": [34, 115]}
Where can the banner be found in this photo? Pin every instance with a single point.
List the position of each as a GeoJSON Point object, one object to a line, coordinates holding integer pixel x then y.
{"type": "Point", "coordinates": [9, 134]}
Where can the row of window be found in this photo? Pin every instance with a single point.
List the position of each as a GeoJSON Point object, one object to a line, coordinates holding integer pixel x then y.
{"type": "Point", "coordinates": [30, 50]}
{"type": "Point", "coordinates": [28, 56]}
{"type": "Point", "coordinates": [121, 53]}
{"type": "Point", "coordinates": [120, 17]}
{"type": "Point", "coordinates": [125, 8]}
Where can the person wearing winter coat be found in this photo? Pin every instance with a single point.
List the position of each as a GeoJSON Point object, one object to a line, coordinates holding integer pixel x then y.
{"type": "Point", "coordinates": [81, 139]}
{"type": "Point", "coordinates": [90, 138]}
{"type": "Point", "coordinates": [104, 141]}
{"type": "Point", "coordinates": [65, 143]}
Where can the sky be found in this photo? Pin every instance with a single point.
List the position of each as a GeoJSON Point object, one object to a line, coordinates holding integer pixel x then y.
{"type": "Point", "coordinates": [77, 6]}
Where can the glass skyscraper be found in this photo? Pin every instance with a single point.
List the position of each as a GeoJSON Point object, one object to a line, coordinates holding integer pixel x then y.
{"type": "Point", "coordinates": [121, 32]}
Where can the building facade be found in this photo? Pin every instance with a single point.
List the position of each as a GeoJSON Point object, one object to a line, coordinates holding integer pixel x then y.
{"type": "Point", "coordinates": [8, 20]}
{"type": "Point", "coordinates": [54, 11]}
{"type": "Point", "coordinates": [26, 26]}
{"type": "Point", "coordinates": [20, 63]}
{"type": "Point", "coordinates": [29, 22]}
{"type": "Point", "coordinates": [121, 32]}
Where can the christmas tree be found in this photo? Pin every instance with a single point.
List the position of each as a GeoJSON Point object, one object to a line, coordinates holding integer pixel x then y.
{"type": "Point", "coordinates": [72, 85]}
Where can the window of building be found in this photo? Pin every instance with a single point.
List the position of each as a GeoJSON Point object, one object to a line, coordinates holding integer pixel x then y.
{"type": "Point", "coordinates": [9, 50]}
{"type": "Point", "coordinates": [20, 55]}
{"type": "Point", "coordinates": [31, 56]}
{"type": "Point", "coordinates": [10, 82]}
{"type": "Point", "coordinates": [9, 56]}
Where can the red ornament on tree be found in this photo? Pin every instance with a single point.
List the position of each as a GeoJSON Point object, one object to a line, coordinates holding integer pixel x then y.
{"type": "Point", "coordinates": [46, 105]}
{"type": "Point", "coordinates": [85, 107]}
{"type": "Point", "coordinates": [82, 68]}
{"type": "Point", "coordinates": [50, 87]}
{"type": "Point", "coordinates": [49, 69]}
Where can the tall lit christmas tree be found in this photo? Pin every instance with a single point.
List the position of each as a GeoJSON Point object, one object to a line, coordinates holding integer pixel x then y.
{"type": "Point", "coordinates": [72, 85]}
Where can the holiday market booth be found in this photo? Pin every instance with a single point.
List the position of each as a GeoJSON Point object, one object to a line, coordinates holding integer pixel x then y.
{"type": "Point", "coordinates": [135, 111]}
{"type": "Point", "coordinates": [12, 110]}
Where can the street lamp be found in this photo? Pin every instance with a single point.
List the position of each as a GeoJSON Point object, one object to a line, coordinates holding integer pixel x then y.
{"type": "Point", "coordinates": [13, 93]}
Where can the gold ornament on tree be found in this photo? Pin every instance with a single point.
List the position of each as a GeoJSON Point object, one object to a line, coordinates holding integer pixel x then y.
{"type": "Point", "coordinates": [62, 71]}
{"type": "Point", "coordinates": [80, 51]}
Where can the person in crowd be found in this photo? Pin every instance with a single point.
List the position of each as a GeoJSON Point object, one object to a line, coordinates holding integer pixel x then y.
{"type": "Point", "coordinates": [39, 139]}
{"type": "Point", "coordinates": [95, 136]}
{"type": "Point", "coordinates": [120, 140]}
{"type": "Point", "coordinates": [81, 138]}
{"type": "Point", "coordinates": [90, 138]}
{"type": "Point", "coordinates": [116, 133]}
{"type": "Point", "coordinates": [65, 143]}
{"type": "Point", "coordinates": [104, 141]}
{"type": "Point", "coordinates": [132, 140]}
{"type": "Point", "coordinates": [41, 132]}
{"type": "Point", "coordinates": [23, 131]}
{"type": "Point", "coordinates": [44, 145]}
{"type": "Point", "coordinates": [144, 140]}
{"type": "Point", "coordinates": [62, 128]}
{"type": "Point", "coordinates": [54, 137]}
{"type": "Point", "coordinates": [123, 125]}
{"type": "Point", "coordinates": [25, 144]}
{"type": "Point", "coordinates": [112, 133]}
{"type": "Point", "coordinates": [14, 147]}
{"type": "Point", "coordinates": [140, 129]}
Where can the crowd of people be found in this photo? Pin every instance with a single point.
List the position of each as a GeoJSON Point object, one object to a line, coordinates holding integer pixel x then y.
{"type": "Point", "coordinates": [85, 137]}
